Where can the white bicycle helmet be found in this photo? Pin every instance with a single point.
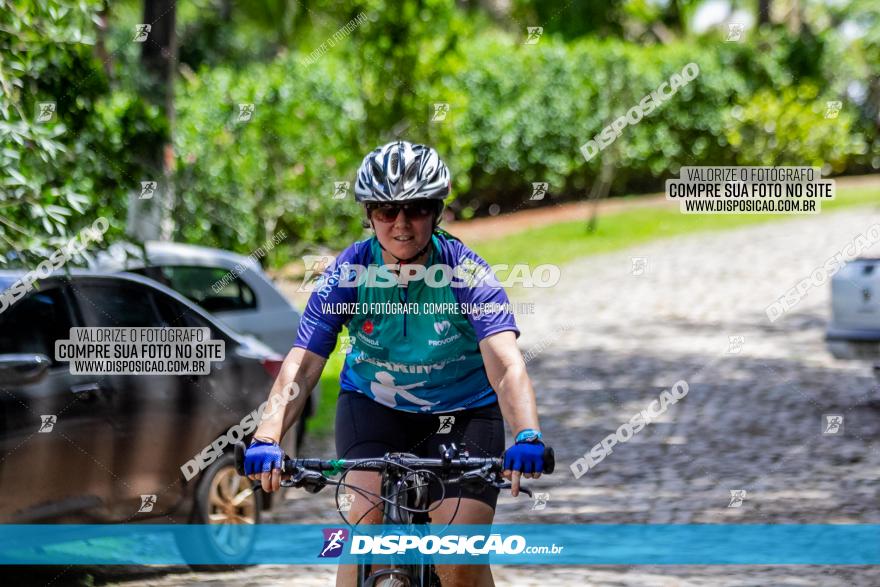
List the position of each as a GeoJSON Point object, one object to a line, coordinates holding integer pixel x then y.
{"type": "Point", "coordinates": [401, 171]}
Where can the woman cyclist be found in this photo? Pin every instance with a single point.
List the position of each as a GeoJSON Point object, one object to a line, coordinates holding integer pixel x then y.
{"type": "Point", "coordinates": [408, 370]}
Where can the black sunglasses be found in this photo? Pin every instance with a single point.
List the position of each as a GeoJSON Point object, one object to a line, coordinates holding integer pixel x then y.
{"type": "Point", "coordinates": [412, 210]}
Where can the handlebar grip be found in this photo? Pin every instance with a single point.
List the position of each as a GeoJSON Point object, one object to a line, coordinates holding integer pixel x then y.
{"type": "Point", "coordinates": [549, 460]}
{"type": "Point", "coordinates": [239, 449]}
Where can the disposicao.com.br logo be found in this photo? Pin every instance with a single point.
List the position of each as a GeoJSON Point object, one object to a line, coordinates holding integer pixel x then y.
{"type": "Point", "coordinates": [334, 542]}
{"type": "Point", "coordinates": [476, 545]}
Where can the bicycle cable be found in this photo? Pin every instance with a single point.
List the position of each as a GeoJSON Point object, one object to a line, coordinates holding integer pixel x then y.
{"type": "Point", "coordinates": [382, 498]}
{"type": "Point", "coordinates": [409, 471]}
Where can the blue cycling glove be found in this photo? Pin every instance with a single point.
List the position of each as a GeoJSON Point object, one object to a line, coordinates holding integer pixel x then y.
{"type": "Point", "coordinates": [527, 457]}
{"type": "Point", "coordinates": [262, 457]}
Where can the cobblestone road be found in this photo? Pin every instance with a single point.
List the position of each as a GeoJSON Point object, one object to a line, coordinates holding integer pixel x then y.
{"type": "Point", "coordinates": [752, 419]}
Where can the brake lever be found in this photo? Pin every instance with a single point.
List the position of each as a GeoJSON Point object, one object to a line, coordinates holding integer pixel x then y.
{"type": "Point", "coordinates": [311, 481]}
{"type": "Point", "coordinates": [522, 488]}
{"type": "Point", "coordinates": [486, 475]}
{"type": "Point", "coordinates": [285, 482]}
{"type": "Point", "coordinates": [482, 475]}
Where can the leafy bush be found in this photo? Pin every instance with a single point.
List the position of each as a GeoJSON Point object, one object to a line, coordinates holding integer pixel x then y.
{"type": "Point", "coordinates": [239, 182]}
{"type": "Point", "coordinates": [791, 129]}
{"type": "Point", "coordinates": [78, 164]}
{"type": "Point", "coordinates": [519, 114]}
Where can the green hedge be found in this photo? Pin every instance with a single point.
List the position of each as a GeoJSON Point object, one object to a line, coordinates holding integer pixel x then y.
{"type": "Point", "coordinates": [60, 174]}
{"type": "Point", "coordinates": [519, 114]}
{"type": "Point", "coordinates": [241, 182]}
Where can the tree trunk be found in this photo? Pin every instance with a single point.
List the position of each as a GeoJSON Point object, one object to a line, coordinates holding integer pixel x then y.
{"type": "Point", "coordinates": [100, 43]}
{"type": "Point", "coordinates": [150, 218]}
{"type": "Point", "coordinates": [763, 12]}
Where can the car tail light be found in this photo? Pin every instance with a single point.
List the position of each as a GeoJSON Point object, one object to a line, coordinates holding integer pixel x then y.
{"type": "Point", "coordinates": [272, 366]}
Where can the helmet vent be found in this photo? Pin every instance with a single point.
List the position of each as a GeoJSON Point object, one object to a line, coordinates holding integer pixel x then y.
{"type": "Point", "coordinates": [401, 171]}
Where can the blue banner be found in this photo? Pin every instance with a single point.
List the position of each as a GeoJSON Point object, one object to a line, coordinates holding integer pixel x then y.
{"type": "Point", "coordinates": [617, 544]}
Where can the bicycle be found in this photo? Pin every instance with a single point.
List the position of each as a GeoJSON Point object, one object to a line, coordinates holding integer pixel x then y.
{"type": "Point", "coordinates": [405, 479]}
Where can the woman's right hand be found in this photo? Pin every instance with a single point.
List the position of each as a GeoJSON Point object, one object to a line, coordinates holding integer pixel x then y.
{"type": "Point", "coordinates": [262, 462]}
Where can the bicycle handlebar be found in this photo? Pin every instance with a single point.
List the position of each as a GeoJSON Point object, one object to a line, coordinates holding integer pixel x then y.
{"type": "Point", "coordinates": [289, 466]}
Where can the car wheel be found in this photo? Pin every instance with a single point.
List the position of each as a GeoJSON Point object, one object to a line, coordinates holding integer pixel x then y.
{"type": "Point", "coordinates": [228, 507]}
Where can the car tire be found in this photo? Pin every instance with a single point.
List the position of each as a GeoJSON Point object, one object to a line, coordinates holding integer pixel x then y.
{"type": "Point", "coordinates": [219, 486]}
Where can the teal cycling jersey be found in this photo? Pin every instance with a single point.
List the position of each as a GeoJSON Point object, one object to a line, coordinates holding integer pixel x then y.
{"type": "Point", "coordinates": [413, 348]}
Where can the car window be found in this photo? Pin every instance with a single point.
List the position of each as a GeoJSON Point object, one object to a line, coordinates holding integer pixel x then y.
{"type": "Point", "coordinates": [175, 314]}
{"type": "Point", "coordinates": [131, 305]}
{"type": "Point", "coordinates": [153, 273]}
{"type": "Point", "coordinates": [116, 303]}
{"type": "Point", "coordinates": [33, 324]}
{"type": "Point", "coordinates": [213, 288]}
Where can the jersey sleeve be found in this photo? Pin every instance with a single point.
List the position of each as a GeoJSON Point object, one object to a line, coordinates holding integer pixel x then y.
{"type": "Point", "coordinates": [326, 311]}
{"type": "Point", "coordinates": [475, 288]}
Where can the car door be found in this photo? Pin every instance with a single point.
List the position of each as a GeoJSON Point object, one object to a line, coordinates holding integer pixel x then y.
{"type": "Point", "coordinates": [149, 411]}
{"type": "Point", "coordinates": [56, 438]}
{"type": "Point", "coordinates": [160, 421]}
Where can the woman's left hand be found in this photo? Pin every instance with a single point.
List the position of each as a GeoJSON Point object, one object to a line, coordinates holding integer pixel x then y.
{"type": "Point", "coordinates": [523, 458]}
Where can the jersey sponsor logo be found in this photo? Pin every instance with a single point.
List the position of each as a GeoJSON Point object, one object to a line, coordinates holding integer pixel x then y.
{"type": "Point", "coordinates": [368, 340]}
{"type": "Point", "coordinates": [324, 285]}
{"type": "Point", "coordinates": [408, 367]}
{"type": "Point", "coordinates": [442, 328]}
{"type": "Point", "coordinates": [446, 340]}
{"type": "Point", "coordinates": [367, 326]}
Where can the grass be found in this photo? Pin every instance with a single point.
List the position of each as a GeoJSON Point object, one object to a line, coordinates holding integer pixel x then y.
{"type": "Point", "coordinates": [567, 241]}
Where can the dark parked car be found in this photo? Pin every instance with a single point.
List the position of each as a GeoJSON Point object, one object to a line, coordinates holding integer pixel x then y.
{"type": "Point", "coordinates": [232, 287]}
{"type": "Point", "coordinates": [113, 439]}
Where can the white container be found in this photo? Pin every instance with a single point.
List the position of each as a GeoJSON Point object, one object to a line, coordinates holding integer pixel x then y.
{"type": "Point", "coordinates": [854, 332]}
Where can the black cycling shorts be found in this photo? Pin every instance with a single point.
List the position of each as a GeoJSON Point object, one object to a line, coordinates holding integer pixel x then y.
{"type": "Point", "coordinates": [367, 429]}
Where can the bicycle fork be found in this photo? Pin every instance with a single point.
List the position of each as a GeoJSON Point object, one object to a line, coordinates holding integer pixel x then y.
{"type": "Point", "coordinates": [399, 492]}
